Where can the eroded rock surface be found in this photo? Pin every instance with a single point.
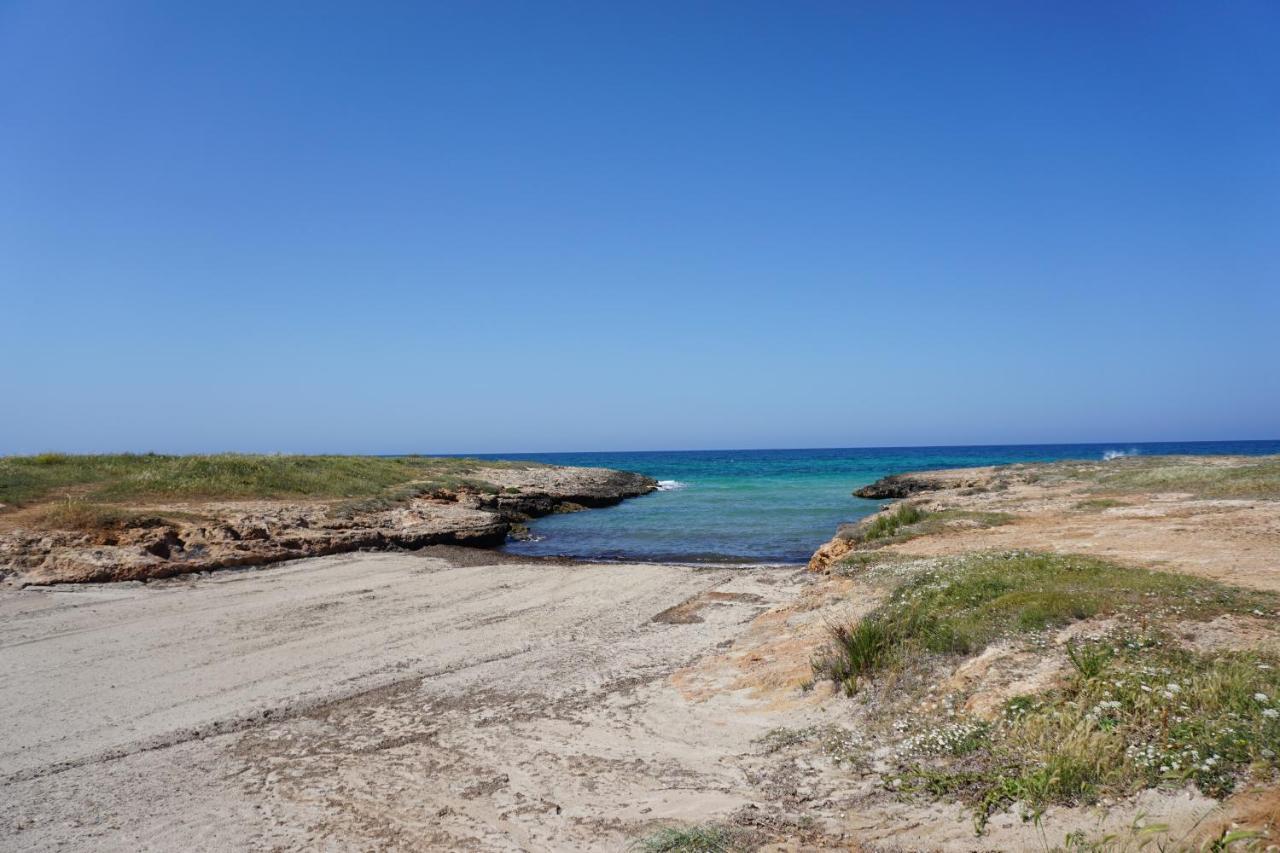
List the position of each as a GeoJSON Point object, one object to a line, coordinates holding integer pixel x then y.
{"type": "Point", "coordinates": [185, 538]}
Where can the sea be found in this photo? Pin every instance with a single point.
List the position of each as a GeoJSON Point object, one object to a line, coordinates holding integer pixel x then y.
{"type": "Point", "coordinates": [772, 506]}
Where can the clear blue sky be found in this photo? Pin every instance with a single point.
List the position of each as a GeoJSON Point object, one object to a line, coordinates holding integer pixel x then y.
{"type": "Point", "coordinates": [481, 226]}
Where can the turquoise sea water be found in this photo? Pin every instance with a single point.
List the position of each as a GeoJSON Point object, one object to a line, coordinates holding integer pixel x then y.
{"type": "Point", "coordinates": [770, 506]}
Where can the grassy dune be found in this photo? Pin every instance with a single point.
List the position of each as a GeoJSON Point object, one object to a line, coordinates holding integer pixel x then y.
{"type": "Point", "coordinates": [121, 478]}
{"type": "Point", "coordinates": [1255, 477]}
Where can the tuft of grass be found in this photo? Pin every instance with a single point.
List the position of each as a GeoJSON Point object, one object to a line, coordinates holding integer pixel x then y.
{"type": "Point", "coordinates": [960, 607]}
{"type": "Point", "coordinates": [124, 477]}
{"type": "Point", "coordinates": [1088, 659]}
{"type": "Point", "coordinates": [692, 839]}
{"type": "Point", "coordinates": [1142, 835]}
{"type": "Point", "coordinates": [907, 521]}
{"type": "Point", "coordinates": [888, 524]}
{"type": "Point", "coordinates": [1099, 504]}
{"type": "Point", "coordinates": [869, 645]}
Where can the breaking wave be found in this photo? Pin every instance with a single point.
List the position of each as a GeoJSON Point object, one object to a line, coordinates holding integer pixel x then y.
{"type": "Point", "coordinates": [1108, 455]}
{"type": "Point", "coordinates": [671, 485]}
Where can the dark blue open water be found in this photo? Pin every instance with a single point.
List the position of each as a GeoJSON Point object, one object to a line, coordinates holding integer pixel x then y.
{"type": "Point", "coordinates": [771, 506]}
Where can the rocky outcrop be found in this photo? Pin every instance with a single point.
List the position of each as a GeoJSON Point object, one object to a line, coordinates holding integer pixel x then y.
{"type": "Point", "coordinates": [223, 535]}
{"type": "Point", "coordinates": [898, 486]}
{"type": "Point", "coordinates": [830, 552]}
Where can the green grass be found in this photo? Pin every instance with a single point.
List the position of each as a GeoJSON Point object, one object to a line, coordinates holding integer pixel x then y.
{"type": "Point", "coordinates": [1135, 710]}
{"type": "Point", "coordinates": [693, 839]}
{"type": "Point", "coordinates": [1145, 713]}
{"type": "Point", "coordinates": [960, 608]}
{"type": "Point", "coordinates": [888, 524]}
{"type": "Point", "coordinates": [126, 477]}
{"type": "Point", "coordinates": [1099, 504]}
{"type": "Point", "coordinates": [908, 521]}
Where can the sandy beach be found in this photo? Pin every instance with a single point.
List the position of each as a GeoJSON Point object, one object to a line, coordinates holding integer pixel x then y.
{"type": "Point", "coordinates": [369, 700]}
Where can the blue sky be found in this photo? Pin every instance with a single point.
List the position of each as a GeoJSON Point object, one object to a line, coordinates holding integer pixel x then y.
{"type": "Point", "coordinates": [484, 226]}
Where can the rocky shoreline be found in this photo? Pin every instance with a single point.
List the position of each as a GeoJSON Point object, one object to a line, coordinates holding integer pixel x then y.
{"type": "Point", "coordinates": [183, 538]}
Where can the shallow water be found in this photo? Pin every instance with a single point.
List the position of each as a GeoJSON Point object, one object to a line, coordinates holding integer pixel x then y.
{"type": "Point", "coordinates": [771, 506]}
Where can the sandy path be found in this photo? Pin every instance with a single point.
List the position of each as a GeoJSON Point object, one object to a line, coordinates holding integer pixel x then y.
{"type": "Point", "coordinates": [90, 670]}
{"type": "Point", "coordinates": [371, 700]}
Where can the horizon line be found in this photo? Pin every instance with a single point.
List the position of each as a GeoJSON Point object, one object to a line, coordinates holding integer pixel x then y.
{"type": "Point", "coordinates": [502, 453]}
{"type": "Point", "coordinates": [853, 447]}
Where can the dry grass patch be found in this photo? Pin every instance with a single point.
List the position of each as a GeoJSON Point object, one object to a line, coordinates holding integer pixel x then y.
{"type": "Point", "coordinates": [1207, 479]}
{"type": "Point", "coordinates": [1098, 504]}
{"type": "Point", "coordinates": [1201, 476]}
{"type": "Point", "coordinates": [126, 477]}
{"type": "Point", "coordinates": [87, 517]}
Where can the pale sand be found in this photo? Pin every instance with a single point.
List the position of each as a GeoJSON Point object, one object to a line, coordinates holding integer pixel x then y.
{"type": "Point", "coordinates": [371, 701]}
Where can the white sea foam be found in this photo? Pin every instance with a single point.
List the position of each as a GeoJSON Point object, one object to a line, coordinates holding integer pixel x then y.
{"type": "Point", "coordinates": [671, 485]}
{"type": "Point", "coordinates": [1108, 455]}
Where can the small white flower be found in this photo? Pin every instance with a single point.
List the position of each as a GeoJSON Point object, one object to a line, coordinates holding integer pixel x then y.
{"type": "Point", "coordinates": [1260, 697]}
{"type": "Point", "coordinates": [1173, 687]}
{"type": "Point", "coordinates": [1271, 713]}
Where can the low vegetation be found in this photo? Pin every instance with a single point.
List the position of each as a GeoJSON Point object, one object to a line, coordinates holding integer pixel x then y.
{"type": "Point", "coordinates": [125, 477]}
{"type": "Point", "coordinates": [1135, 709]}
{"type": "Point", "coordinates": [908, 520]}
{"type": "Point", "coordinates": [1144, 712]}
{"type": "Point", "coordinates": [1258, 478]}
{"type": "Point", "coordinates": [1097, 504]}
{"type": "Point", "coordinates": [87, 517]}
{"type": "Point", "coordinates": [1247, 478]}
{"type": "Point", "coordinates": [959, 608]}
{"type": "Point", "coordinates": [889, 524]}
{"type": "Point", "coordinates": [693, 839]}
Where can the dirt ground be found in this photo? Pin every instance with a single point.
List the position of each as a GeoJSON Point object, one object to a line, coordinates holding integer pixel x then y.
{"type": "Point", "coordinates": [1230, 540]}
